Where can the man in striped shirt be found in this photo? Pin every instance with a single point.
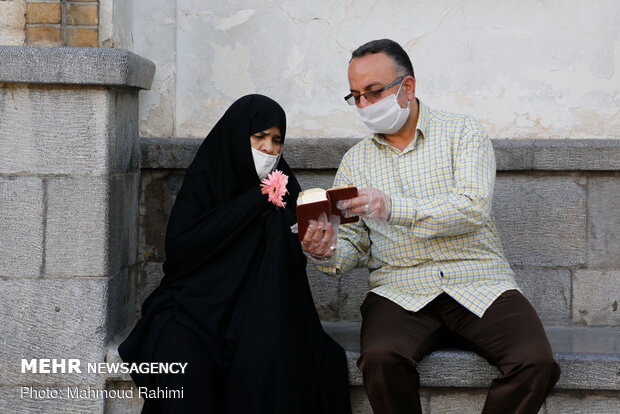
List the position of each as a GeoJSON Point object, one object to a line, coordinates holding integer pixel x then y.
{"type": "Point", "coordinates": [426, 233]}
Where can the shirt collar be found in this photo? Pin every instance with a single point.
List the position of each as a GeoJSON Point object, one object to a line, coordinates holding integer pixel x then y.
{"type": "Point", "coordinates": [422, 126]}
{"type": "Point", "coordinates": [420, 131]}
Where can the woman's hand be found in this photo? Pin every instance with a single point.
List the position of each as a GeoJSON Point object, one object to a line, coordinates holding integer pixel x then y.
{"type": "Point", "coordinates": [320, 239]}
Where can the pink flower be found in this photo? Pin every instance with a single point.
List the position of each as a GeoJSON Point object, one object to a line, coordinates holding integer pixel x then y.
{"type": "Point", "coordinates": [275, 186]}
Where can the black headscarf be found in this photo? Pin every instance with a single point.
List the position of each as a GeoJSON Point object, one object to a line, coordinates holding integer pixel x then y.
{"type": "Point", "coordinates": [223, 167]}
{"type": "Point", "coordinates": [223, 176]}
{"type": "Point", "coordinates": [235, 275]}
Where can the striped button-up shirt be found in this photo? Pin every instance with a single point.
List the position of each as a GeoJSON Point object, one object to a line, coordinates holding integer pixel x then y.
{"type": "Point", "coordinates": [441, 236]}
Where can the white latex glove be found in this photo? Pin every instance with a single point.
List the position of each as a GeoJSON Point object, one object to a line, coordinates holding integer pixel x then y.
{"type": "Point", "coordinates": [370, 203]}
{"type": "Point", "coordinates": [319, 242]}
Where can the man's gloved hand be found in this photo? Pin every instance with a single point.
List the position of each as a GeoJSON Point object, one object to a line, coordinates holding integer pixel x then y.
{"type": "Point", "coordinates": [370, 203]}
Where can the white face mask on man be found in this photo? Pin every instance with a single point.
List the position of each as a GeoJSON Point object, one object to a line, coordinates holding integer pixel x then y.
{"type": "Point", "coordinates": [264, 163]}
{"type": "Point", "coordinates": [385, 116]}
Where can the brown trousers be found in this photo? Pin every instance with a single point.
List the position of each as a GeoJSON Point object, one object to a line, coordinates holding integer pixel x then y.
{"type": "Point", "coordinates": [509, 335]}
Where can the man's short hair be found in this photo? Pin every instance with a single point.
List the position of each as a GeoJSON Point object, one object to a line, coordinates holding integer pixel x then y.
{"type": "Point", "coordinates": [390, 48]}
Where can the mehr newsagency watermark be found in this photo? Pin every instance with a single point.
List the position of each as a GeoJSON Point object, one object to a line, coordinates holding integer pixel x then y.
{"type": "Point", "coordinates": [75, 366]}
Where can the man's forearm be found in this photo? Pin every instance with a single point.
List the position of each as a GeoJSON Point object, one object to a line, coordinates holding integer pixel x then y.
{"type": "Point", "coordinates": [448, 215]}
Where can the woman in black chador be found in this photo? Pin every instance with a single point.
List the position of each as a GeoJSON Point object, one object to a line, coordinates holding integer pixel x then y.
{"type": "Point", "coordinates": [235, 303]}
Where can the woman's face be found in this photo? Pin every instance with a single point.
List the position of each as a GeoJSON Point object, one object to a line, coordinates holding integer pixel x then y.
{"type": "Point", "coordinates": [268, 141]}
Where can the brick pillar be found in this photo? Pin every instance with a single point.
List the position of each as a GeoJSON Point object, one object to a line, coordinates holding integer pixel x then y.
{"type": "Point", "coordinates": [69, 179]}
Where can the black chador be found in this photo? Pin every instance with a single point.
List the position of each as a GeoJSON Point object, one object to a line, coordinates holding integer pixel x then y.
{"type": "Point", "coordinates": [235, 301]}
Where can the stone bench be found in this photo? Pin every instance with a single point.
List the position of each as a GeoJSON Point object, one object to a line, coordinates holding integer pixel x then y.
{"type": "Point", "coordinates": [589, 357]}
{"type": "Point", "coordinates": [553, 207]}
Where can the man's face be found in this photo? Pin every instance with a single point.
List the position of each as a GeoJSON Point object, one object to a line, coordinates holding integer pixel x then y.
{"type": "Point", "coordinates": [371, 72]}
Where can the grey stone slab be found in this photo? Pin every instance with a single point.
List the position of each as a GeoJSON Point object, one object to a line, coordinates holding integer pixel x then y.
{"type": "Point", "coordinates": [158, 190]}
{"type": "Point", "coordinates": [77, 236]}
{"type": "Point", "coordinates": [585, 340]}
{"type": "Point", "coordinates": [46, 130]}
{"type": "Point", "coordinates": [604, 222]}
{"type": "Point", "coordinates": [52, 318]}
{"type": "Point", "coordinates": [21, 226]}
{"type": "Point", "coordinates": [562, 402]}
{"type": "Point", "coordinates": [563, 339]}
{"type": "Point", "coordinates": [588, 371]}
{"type": "Point", "coordinates": [92, 224]}
{"type": "Point", "coordinates": [11, 401]}
{"type": "Point", "coordinates": [113, 357]}
{"type": "Point", "coordinates": [317, 153]}
{"type": "Point", "coordinates": [300, 153]}
{"type": "Point", "coordinates": [455, 400]}
{"type": "Point", "coordinates": [513, 154]}
{"type": "Point", "coordinates": [123, 405]}
{"type": "Point", "coordinates": [458, 402]}
{"type": "Point", "coordinates": [359, 401]}
{"type": "Point", "coordinates": [540, 154]}
{"type": "Point", "coordinates": [589, 359]}
{"type": "Point", "coordinates": [170, 153]}
{"type": "Point", "coordinates": [458, 380]}
{"type": "Point", "coordinates": [346, 333]}
{"type": "Point", "coordinates": [122, 306]}
{"type": "Point", "coordinates": [123, 211]}
{"type": "Point", "coordinates": [354, 287]}
{"type": "Point", "coordinates": [557, 154]}
{"type": "Point", "coordinates": [123, 132]}
{"type": "Point", "coordinates": [324, 292]}
{"type": "Point", "coordinates": [361, 405]}
{"type": "Point", "coordinates": [326, 153]}
{"type": "Point", "coordinates": [311, 179]}
{"type": "Point", "coordinates": [75, 66]}
{"type": "Point", "coordinates": [549, 291]}
{"type": "Point", "coordinates": [577, 154]}
{"type": "Point", "coordinates": [596, 297]}
{"type": "Point", "coordinates": [355, 375]}
{"type": "Point", "coordinates": [455, 368]}
{"type": "Point", "coordinates": [150, 276]}
{"type": "Point", "coordinates": [541, 220]}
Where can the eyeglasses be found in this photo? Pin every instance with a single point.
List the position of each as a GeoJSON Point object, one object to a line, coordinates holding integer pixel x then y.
{"type": "Point", "coordinates": [371, 96]}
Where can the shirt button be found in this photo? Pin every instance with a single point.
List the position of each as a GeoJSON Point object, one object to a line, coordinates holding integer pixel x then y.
{"type": "Point", "coordinates": [441, 273]}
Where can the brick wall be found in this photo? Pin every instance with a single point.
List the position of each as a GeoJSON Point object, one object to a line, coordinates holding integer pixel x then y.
{"type": "Point", "coordinates": [62, 23]}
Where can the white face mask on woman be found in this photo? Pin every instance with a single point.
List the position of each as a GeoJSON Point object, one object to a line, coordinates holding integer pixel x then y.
{"type": "Point", "coordinates": [385, 116]}
{"type": "Point", "coordinates": [264, 163]}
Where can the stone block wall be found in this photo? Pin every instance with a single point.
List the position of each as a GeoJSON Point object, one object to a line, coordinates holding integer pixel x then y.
{"type": "Point", "coordinates": [554, 205]}
{"type": "Point", "coordinates": [69, 181]}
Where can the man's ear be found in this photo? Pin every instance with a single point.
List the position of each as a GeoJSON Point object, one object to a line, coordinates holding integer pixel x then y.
{"type": "Point", "coordinates": [409, 86]}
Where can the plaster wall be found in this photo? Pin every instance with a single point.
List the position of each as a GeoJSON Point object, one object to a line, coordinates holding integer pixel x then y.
{"type": "Point", "coordinates": [12, 22]}
{"type": "Point", "coordinates": [535, 69]}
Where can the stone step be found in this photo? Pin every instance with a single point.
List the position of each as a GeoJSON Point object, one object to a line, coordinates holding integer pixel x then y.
{"type": "Point", "coordinates": [455, 381]}
{"type": "Point", "coordinates": [589, 358]}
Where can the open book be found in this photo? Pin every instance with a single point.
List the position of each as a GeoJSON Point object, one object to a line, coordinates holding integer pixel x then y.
{"type": "Point", "coordinates": [314, 201]}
